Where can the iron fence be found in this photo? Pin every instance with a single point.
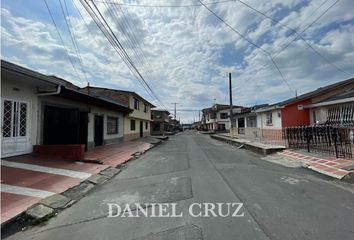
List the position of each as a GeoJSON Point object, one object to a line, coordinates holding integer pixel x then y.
{"type": "Point", "coordinates": [329, 139]}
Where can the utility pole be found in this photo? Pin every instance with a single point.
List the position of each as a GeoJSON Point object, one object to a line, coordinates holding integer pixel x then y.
{"type": "Point", "coordinates": [231, 108]}
{"type": "Point", "coordinates": [175, 114]}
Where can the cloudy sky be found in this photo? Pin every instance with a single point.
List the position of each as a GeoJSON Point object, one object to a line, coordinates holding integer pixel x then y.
{"type": "Point", "coordinates": [183, 51]}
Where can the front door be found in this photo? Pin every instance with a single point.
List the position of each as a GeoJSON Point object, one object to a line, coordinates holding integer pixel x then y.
{"type": "Point", "coordinates": [15, 127]}
{"type": "Point", "coordinates": [98, 137]}
{"type": "Point", "coordinates": [141, 129]}
{"type": "Point", "coordinates": [61, 126]}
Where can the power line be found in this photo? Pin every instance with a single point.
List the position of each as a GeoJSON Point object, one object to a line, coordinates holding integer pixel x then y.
{"type": "Point", "coordinates": [61, 39]}
{"type": "Point", "coordinates": [307, 27]}
{"type": "Point", "coordinates": [303, 39]}
{"type": "Point", "coordinates": [111, 40]}
{"type": "Point", "coordinates": [103, 25]}
{"type": "Point", "coordinates": [164, 6]}
{"type": "Point", "coordinates": [250, 42]}
{"type": "Point", "coordinates": [132, 41]}
{"type": "Point", "coordinates": [72, 36]}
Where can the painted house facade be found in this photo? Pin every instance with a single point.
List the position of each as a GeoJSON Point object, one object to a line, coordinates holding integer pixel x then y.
{"type": "Point", "coordinates": [41, 110]}
{"type": "Point", "coordinates": [137, 123]}
{"type": "Point", "coordinates": [217, 117]}
{"type": "Point", "coordinates": [337, 110]}
{"type": "Point", "coordinates": [332, 104]}
{"type": "Point", "coordinates": [294, 111]}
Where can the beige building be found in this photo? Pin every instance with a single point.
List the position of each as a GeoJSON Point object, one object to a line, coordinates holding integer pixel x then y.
{"type": "Point", "coordinates": [137, 123]}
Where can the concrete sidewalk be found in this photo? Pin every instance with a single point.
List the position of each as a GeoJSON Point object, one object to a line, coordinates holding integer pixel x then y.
{"type": "Point", "coordinates": [27, 180]}
{"type": "Point", "coordinates": [338, 168]}
{"type": "Point", "coordinates": [248, 144]}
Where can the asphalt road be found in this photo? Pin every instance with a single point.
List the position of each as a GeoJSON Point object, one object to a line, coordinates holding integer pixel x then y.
{"type": "Point", "coordinates": [278, 202]}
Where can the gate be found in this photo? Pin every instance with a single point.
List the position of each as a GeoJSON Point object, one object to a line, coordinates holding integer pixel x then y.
{"type": "Point", "coordinates": [329, 139]}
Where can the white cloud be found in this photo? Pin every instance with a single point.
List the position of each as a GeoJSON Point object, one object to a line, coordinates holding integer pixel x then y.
{"type": "Point", "coordinates": [183, 48]}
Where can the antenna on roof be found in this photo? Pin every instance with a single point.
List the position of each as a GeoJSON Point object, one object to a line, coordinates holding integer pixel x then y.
{"type": "Point", "coordinates": [295, 93]}
{"type": "Point", "coordinates": [88, 88]}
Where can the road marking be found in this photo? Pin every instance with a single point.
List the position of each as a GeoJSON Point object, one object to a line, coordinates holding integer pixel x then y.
{"type": "Point", "coordinates": [32, 192]}
{"type": "Point", "coordinates": [37, 168]}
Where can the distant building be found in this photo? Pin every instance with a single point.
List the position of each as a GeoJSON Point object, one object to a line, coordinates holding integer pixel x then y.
{"type": "Point", "coordinates": [217, 117]}
{"type": "Point", "coordinates": [160, 122]}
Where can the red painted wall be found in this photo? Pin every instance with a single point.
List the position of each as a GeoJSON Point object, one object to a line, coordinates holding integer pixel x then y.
{"type": "Point", "coordinates": [292, 116]}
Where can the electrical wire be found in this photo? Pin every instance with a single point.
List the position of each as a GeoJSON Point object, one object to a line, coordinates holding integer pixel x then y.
{"type": "Point", "coordinates": [163, 6]}
{"type": "Point", "coordinates": [307, 27]}
{"type": "Point", "coordinates": [251, 43]}
{"type": "Point", "coordinates": [61, 40]}
{"type": "Point", "coordinates": [72, 36]}
{"type": "Point", "coordinates": [133, 42]}
{"type": "Point", "coordinates": [103, 25]}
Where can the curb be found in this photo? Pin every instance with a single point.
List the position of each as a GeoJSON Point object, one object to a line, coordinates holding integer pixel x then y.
{"type": "Point", "coordinates": [50, 206]}
{"type": "Point", "coordinates": [248, 145]}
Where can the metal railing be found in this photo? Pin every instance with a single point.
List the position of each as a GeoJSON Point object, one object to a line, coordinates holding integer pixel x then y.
{"type": "Point", "coordinates": [328, 139]}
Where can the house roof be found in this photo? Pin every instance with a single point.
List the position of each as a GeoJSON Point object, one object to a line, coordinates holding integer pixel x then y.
{"type": "Point", "coordinates": [344, 95]}
{"type": "Point", "coordinates": [121, 92]}
{"type": "Point", "coordinates": [11, 67]}
{"type": "Point", "coordinates": [317, 92]}
{"type": "Point", "coordinates": [219, 107]}
{"type": "Point", "coordinates": [159, 110]}
{"type": "Point", "coordinates": [95, 100]}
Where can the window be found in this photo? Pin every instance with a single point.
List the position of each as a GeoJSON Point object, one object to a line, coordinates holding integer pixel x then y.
{"type": "Point", "coordinates": [269, 119]}
{"type": "Point", "coordinates": [14, 119]}
{"type": "Point", "coordinates": [132, 125]}
{"type": "Point", "coordinates": [145, 108]}
{"type": "Point", "coordinates": [314, 116]}
{"type": "Point", "coordinates": [136, 104]}
{"type": "Point", "coordinates": [146, 125]}
{"type": "Point", "coordinates": [213, 115]}
{"type": "Point", "coordinates": [224, 115]}
{"type": "Point", "coordinates": [112, 125]}
{"type": "Point", "coordinates": [252, 122]}
{"type": "Point", "coordinates": [340, 114]}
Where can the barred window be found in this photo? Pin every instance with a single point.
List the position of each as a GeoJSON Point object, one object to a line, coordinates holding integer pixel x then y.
{"type": "Point", "coordinates": [341, 114]}
{"type": "Point", "coordinates": [112, 125]}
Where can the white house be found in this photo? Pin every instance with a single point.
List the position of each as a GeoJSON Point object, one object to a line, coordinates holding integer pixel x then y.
{"type": "Point", "coordinates": [43, 110]}
{"type": "Point", "coordinates": [338, 109]}
{"type": "Point", "coordinates": [217, 117]}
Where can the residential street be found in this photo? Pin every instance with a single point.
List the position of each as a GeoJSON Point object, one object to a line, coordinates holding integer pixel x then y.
{"type": "Point", "coordinates": [279, 202]}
